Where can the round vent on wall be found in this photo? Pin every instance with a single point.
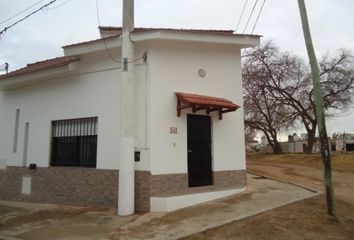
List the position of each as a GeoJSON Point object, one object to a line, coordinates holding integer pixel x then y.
{"type": "Point", "coordinates": [201, 72]}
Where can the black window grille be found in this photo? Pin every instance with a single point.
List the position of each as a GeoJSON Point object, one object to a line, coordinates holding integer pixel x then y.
{"type": "Point", "coordinates": [74, 142]}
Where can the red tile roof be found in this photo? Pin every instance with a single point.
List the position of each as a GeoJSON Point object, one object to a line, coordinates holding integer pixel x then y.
{"type": "Point", "coordinates": [206, 101]}
{"type": "Point", "coordinates": [200, 102]}
{"type": "Point", "coordinates": [42, 65]}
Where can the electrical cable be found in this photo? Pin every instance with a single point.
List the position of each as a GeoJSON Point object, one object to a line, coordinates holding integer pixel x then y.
{"type": "Point", "coordinates": [243, 10]}
{"type": "Point", "coordinates": [104, 40]}
{"type": "Point", "coordinates": [15, 15]}
{"type": "Point", "coordinates": [27, 16]}
{"type": "Point", "coordinates": [105, 43]}
{"type": "Point", "coordinates": [254, 26]}
{"type": "Point", "coordinates": [58, 6]}
{"type": "Point", "coordinates": [4, 66]}
{"type": "Point", "coordinates": [249, 18]}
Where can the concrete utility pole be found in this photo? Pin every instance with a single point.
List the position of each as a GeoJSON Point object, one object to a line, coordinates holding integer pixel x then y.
{"type": "Point", "coordinates": [126, 160]}
{"type": "Point", "coordinates": [325, 148]}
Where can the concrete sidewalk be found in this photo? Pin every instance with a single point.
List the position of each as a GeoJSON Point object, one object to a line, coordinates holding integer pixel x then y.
{"type": "Point", "coordinates": [263, 194]}
{"type": "Point", "coordinates": [22, 221]}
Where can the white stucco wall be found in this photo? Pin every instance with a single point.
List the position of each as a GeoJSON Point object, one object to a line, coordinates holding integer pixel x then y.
{"type": "Point", "coordinates": [174, 67]}
{"type": "Point", "coordinates": [92, 90]}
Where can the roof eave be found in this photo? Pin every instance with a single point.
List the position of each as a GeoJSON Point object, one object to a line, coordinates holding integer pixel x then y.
{"type": "Point", "coordinates": [243, 41]}
{"type": "Point", "coordinates": [24, 80]}
{"type": "Point", "coordinates": [229, 39]}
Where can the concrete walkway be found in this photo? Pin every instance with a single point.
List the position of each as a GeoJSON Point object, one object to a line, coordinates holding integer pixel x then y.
{"type": "Point", "coordinates": [263, 194]}
{"type": "Point", "coordinates": [21, 221]}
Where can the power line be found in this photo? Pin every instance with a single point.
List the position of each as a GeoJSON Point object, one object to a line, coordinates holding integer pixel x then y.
{"type": "Point", "coordinates": [27, 16]}
{"type": "Point", "coordinates": [105, 44]}
{"type": "Point", "coordinates": [4, 67]}
{"type": "Point", "coordinates": [249, 18]}
{"type": "Point", "coordinates": [243, 10]}
{"type": "Point", "coordinates": [104, 40]}
{"type": "Point", "coordinates": [254, 26]}
{"type": "Point", "coordinates": [15, 15]}
{"type": "Point", "coordinates": [59, 5]}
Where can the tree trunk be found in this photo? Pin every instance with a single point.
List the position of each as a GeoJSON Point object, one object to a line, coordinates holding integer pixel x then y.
{"type": "Point", "coordinates": [277, 147]}
{"type": "Point", "coordinates": [310, 140]}
{"type": "Point", "coordinates": [273, 142]}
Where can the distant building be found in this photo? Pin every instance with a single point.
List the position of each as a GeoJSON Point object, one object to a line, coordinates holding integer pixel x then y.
{"type": "Point", "coordinates": [344, 142]}
{"type": "Point", "coordinates": [252, 146]}
{"type": "Point", "coordinates": [264, 141]}
{"type": "Point", "coordinates": [293, 138]}
{"type": "Point", "coordinates": [294, 145]}
{"type": "Point", "coordinates": [304, 136]}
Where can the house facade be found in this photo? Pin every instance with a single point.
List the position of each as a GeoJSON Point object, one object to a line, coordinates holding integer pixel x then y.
{"type": "Point", "coordinates": [60, 121]}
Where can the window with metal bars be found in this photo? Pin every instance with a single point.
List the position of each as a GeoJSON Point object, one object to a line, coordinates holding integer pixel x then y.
{"type": "Point", "coordinates": [74, 142]}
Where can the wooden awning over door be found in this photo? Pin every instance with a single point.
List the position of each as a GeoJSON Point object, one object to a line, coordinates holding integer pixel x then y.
{"type": "Point", "coordinates": [201, 102]}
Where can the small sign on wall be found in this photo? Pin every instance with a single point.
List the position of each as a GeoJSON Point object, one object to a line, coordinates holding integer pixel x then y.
{"type": "Point", "coordinates": [26, 185]}
{"type": "Point", "coordinates": [173, 130]}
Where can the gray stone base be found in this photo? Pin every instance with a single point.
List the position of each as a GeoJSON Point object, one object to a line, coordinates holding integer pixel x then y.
{"type": "Point", "coordinates": [165, 185]}
{"type": "Point", "coordinates": [62, 185]}
{"type": "Point", "coordinates": [177, 184]}
{"type": "Point", "coordinates": [99, 188]}
{"type": "Point", "coordinates": [142, 191]}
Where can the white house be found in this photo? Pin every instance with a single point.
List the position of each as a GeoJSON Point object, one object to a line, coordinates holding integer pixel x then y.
{"type": "Point", "coordinates": [343, 142]}
{"type": "Point", "coordinates": [60, 121]}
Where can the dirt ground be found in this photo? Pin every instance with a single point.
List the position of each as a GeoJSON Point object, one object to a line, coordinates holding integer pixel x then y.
{"type": "Point", "coordinates": [48, 221]}
{"type": "Point", "coordinates": [306, 170]}
{"type": "Point", "coordinates": [303, 220]}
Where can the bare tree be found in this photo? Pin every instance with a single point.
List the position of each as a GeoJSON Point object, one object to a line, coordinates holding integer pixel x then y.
{"type": "Point", "coordinates": [250, 134]}
{"type": "Point", "coordinates": [288, 81]}
{"type": "Point", "coordinates": [263, 112]}
{"type": "Point", "coordinates": [337, 80]}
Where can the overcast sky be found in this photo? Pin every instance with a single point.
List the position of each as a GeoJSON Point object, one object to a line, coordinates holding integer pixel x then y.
{"type": "Point", "coordinates": [42, 35]}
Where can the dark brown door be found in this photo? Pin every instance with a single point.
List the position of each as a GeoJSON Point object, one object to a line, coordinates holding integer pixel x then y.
{"type": "Point", "coordinates": [199, 150]}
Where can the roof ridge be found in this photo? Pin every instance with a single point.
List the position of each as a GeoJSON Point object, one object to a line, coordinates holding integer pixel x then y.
{"type": "Point", "coordinates": [47, 60]}
{"type": "Point", "coordinates": [167, 28]}
{"type": "Point", "coordinates": [42, 65]}
{"type": "Point", "coordinates": [92, 41]}
{"type": "Point", "coordinates": [144, 30]}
